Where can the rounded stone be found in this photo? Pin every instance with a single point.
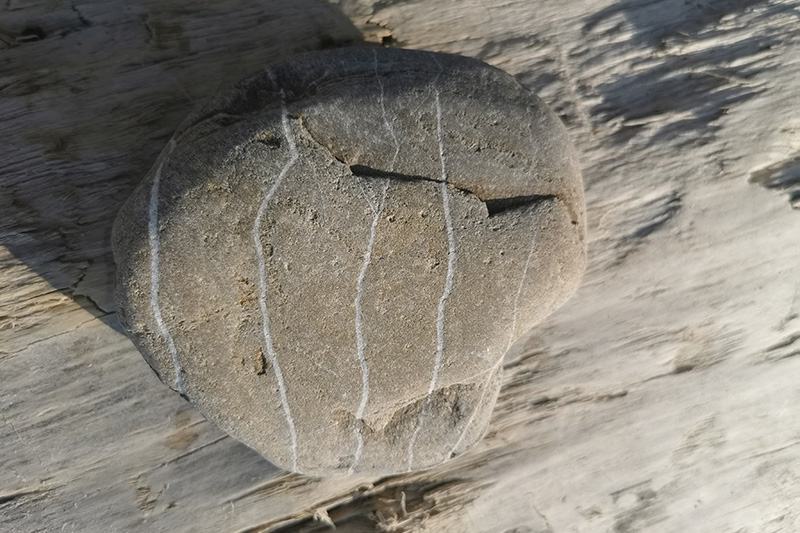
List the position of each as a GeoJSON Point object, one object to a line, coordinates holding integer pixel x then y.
{"type": "Point", "coordinates": [331, 259]}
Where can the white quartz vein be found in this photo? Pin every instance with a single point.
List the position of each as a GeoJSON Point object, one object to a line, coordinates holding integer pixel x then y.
{"type": "Point", "coordinates": [515, 312]}
{"type": "Point", "coordinates": [155, 246]}
{"type": "Point", "coordinates": [531, 139]}
{"type": "Point", "coordinates": [372, 206]}
{"type": "Point", "coordinates": [519, 289]}
{"type": "Point", "coordinates": [385, 115]}
{"type": "Point", "coordinates": [360, 345]}
{"type": "Point", "coordinates": [475, 410]}
{"type": "Point", "coordinates": [263, 277]}
{"type": "Point", "coordinates": [448, 285]}
{"type": "Point", "coordinates": [508, 345]}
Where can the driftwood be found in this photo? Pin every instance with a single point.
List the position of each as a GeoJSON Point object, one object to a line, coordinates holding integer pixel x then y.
{"type": "Point", "coordinates": [662, 397]}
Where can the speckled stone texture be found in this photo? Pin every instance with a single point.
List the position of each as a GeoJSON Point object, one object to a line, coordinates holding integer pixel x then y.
{"type": "Point", "coordinates": [331, 259]}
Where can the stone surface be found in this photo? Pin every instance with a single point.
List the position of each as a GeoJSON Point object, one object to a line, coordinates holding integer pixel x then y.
{"type": "Point", "coordinates": [331, 259]}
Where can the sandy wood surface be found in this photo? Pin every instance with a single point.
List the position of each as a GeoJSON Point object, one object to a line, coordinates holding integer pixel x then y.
{"type": "Point", "coordinates": [663, 397]}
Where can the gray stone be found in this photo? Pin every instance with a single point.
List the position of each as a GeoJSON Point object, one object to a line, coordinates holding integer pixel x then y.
{"type": "Point", "coordinates": [331, 259]}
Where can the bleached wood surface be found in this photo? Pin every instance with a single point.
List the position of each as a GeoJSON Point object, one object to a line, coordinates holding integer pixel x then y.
{"type": "Point", "coordinates": [663, 397]}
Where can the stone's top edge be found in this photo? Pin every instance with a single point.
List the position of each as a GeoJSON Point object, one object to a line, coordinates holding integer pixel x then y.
{"type": "Point", "coordinates": [312, 74]}
{"type": "Point", "coordinates": [362, 59]}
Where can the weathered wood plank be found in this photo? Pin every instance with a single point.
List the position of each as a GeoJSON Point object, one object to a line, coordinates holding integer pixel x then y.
{"type": "Point", "coordinates": [661, 398]}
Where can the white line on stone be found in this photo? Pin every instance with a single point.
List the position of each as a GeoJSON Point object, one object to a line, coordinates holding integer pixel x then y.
{"type": "Point", "coordinates": [532, 248]}
{"type": "Point", "coordinates": [508, 345]}
{"type": "Point", "coordinates": [372, 206]}
{"type": "Point", "coordinates": [155, 249]}
{"type": "Point", "coordinates": [475, 410]}
{"type": "Point", "coordinates": [360, 286]}
{"type": "Point", "coordinates": [513, 321]}
{"type": "Point", "coordinates": [519, 289]}
{"type": "Point", "coordinates": [448, 285]}
{"type": "Point", "coordinates": [315, 363]}
{"type": "Point", "coordinates": [385, 115]}
{"type": "Point", "coordinates": [360, 333]}
{"type": "Point", "coordinates": [263, 275]}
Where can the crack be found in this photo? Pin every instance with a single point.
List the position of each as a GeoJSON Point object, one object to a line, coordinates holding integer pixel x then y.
{"type": "Point", "coordinates": [75, 295]}
{"type": "Point", "coordinates": [774, 450]}
{"type": "Point", "coordinates": [363, 171]}
{"type": "Point", "coordinates": [494, 206]}
{"type": "Point", "coordinates": [386, 504]}
{"type": "Point", "coordinates": [179, 457]}
{"type": "Point", "coordinates": [103, 312]}
{"type": "Point", "coordinates": [451, 453]}
{"type": "Point", "coordinates": [280, 483]}
{"type": "Point", "coordinates": [84, 21]}
{"type": "Point", "coordinates": [55, 335]}
{"type": "Point", "coordinates": [543, 517]}
{"type": "Point", "coordinates": [194, 450]}
{"type": "Point", "coordinates": [151, 32]}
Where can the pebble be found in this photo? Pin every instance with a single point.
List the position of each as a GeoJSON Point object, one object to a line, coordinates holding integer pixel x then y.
{"type": "Point", "coordinates": [331, 259]}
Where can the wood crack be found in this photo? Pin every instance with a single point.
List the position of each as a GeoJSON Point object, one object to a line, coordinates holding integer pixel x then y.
{"type": "Point", "coordinates": [51, 337]}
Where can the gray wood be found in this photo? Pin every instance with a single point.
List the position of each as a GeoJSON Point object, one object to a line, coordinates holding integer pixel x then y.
{"type": "Point", "coordinates": [661, 398]}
